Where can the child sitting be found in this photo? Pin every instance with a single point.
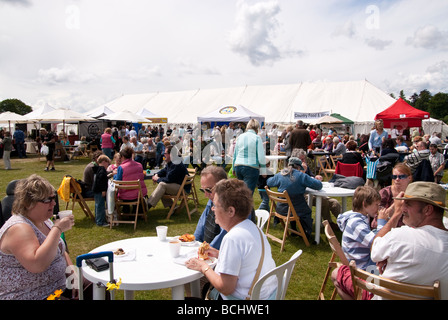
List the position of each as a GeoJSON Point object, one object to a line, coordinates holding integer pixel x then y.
{"type": "Point", "coordinates": [357, 236]}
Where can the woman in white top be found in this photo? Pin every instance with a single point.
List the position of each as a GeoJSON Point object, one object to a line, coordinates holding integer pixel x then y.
{"type": "Point", "coordinates": [241, 247]}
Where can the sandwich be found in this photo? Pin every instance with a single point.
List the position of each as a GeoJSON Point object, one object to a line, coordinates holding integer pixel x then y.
{"type": "Point", "coordinates": [202, 251]}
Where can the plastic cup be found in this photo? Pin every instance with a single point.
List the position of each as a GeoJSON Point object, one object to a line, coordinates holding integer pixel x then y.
{"type": "Point", "coordinates": [65, 213]}
{"type": "Point", "coordinates": [174, 248]}
{"type": "Point", "coordinates": [161, 232]}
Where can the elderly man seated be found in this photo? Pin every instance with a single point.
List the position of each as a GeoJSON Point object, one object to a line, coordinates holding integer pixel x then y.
{"type": "Point", "coordinates": [138, 149]}
{"type": "Point", "coordinates": [338, 147]}
{"type": "Point", "coordinates": [169, 179]}
{"type": "Point", "coordinates": [421, 152]}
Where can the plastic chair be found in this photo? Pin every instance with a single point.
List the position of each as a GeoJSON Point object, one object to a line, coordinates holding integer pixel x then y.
{"type": "Point", "coordinates": [349, 170]}
{"type": "Point", "coordinates": [390, 289]}
{"type": "Point", "coordinates": [262, 217]}
{"type": "Point", "coordinates": [283, 197]}
{"type": "Point", "coordinates": [183, 197]}
{"type": "Point", "coordinates": [337, 253]}
{"type": "Point", "coordinates": [283, 275]}
{"type": "Point", "coordinates": [139, 201]}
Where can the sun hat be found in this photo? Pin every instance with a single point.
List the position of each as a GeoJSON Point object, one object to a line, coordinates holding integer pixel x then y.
{"type": "Point", "coordinates": [429, 192]}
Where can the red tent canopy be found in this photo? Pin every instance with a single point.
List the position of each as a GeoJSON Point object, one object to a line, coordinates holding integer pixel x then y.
{"type": "Point", "coordinates": [402, 114]}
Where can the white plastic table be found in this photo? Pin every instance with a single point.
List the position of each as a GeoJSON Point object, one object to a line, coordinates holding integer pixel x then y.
{"type": "Point", "coordinates": [328, 190]}
{"type": "Point", "coordinates": [147, 265]}
{"type": "Point", "coordinates": [273, 159]}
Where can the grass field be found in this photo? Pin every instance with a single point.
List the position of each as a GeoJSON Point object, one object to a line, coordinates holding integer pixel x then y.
{"type": "Point", "coordinates": [85, 235]}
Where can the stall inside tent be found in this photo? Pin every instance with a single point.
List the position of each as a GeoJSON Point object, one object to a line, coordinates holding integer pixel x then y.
{"type": "Point", "coordinates": [227, 114]}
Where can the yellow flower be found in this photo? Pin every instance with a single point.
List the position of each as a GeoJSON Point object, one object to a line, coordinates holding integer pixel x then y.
{"type": "Point", "coordinates": [113, 285]}
{"type": "Point", "coordinates": [55, 295]}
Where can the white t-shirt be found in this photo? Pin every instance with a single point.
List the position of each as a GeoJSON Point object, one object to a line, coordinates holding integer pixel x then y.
{"type": "Point", "coordinates": [239, 255]}
{"type": "Point", "coordinates": [414, 255]}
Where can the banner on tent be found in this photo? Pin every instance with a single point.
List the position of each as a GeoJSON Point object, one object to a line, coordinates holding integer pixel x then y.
{"type": "Point", "coordinates": [308, 116]}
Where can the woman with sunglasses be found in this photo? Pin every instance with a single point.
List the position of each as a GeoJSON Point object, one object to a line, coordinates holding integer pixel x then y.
{"type": "Point", "coordinates": [33, 259]}
{"type": "Point", "coordinates": [401, 178]}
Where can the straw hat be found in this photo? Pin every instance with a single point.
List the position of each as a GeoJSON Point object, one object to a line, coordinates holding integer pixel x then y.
{"type": "Point", "coordinates": [428, 192]}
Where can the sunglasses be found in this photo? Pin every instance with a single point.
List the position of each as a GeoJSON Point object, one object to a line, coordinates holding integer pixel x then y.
{"type": "Point", "coordinates": [206, 190]}
{"type": "Point", "coordinates": [399, 176]}
{"type": "Point", "coordinates": [48, 200]}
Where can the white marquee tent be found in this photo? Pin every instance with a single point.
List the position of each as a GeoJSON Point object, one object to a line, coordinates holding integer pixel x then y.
{"type": "Point", "coordinates": [358, 100]}
{"type": "Point", "coordinates": [231, 114]}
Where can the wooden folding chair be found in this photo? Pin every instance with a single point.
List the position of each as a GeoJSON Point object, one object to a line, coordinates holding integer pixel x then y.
{"type": "Point", "coordinates": [137, 203]}
{"type": "Point", "coordinates": [336, 253]}
{"type": "Point", "coordinates": [390, 289]}
{"type": "Point", "coordinates": [76, 197]}
{"type": "Point", "coordinates": [283, 197]}
{"type": "Point", "coordinates": [181, 198]}
{"type": "Point", "coordinates": [325, 168]}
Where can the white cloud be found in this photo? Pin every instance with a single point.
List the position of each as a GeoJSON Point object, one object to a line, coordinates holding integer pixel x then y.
{"type": "Point", "coordinates": [348, 29]}
{"type": "Point", "coordinates": [429, 37]}
{"type": "Point", "coordinates": [66, 74]}
{"type": "Point", "coordinates": [377, 44]}
{"type": "Point", "coordinates": [435, 78]}
{"type": "Point", "coordinates": [255, 31]}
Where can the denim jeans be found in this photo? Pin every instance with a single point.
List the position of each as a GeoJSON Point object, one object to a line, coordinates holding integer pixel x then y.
{"type": "Point", "coordinates": [249, 175]}
{"type": "Point", "coordinates": [100, 209]}
{"type": "Point", "coordinates": [264, 205]}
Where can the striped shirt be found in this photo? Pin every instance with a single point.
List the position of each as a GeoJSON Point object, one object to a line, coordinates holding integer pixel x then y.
{"type": "Point", "coordinates": [357, 237]}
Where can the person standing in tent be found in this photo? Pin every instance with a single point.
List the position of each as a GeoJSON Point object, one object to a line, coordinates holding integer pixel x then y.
{"type": "Point", "coordinates": [376, 137]}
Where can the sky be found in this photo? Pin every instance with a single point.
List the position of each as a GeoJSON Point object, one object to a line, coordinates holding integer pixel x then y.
{"type": "Point", "coordinates": [81, 54]}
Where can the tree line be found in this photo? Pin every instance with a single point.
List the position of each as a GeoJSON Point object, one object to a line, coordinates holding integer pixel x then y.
{"type": "Point", "coordinates": [436, 105]}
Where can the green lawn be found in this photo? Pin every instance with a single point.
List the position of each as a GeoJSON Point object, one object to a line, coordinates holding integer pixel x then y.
{"type": "Point", "coordinates": [85, 235]}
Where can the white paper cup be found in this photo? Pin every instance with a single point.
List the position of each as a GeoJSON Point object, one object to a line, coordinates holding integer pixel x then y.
{"type": "Point", "coordinates": [65, 213]}
{"type": "Point", "coordinates": [161, 232]}
{"type": "Point", "coordinates": [174, 248]}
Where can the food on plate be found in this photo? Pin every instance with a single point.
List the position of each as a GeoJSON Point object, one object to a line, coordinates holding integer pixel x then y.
{"type": "Point", "coordinates": [187, 237]}
{"type": "Point", "coordinates": [202, 251]}
{"type": "Point", "coordinates": [119, 252]}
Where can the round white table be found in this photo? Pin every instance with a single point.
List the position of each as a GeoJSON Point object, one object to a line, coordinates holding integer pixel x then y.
{"type": "Point", "coordinates": [146, 265]}
{"type": "Point", "coordinates": [328, 190]}
{"type": "Point", "coordinates": [273, 159]}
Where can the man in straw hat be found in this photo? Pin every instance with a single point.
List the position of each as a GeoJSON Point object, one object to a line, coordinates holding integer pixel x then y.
{"type": "Point", "coordinates": [417, 252]}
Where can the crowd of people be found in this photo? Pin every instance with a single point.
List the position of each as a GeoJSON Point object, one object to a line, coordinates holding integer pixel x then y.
{"type": "Point", "coordinates": [376, 233]}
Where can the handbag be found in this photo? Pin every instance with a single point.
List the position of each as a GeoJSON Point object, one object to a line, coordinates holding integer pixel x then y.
{"type": "Point", "coordinates": [213, 294]}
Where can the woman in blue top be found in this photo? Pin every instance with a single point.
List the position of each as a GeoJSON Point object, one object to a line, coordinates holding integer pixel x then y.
{"type": "Point", "coordinates": [249, 158]}
{"type": "Point", "coordinates": [295, 181]}
{"type": "Point", "coordinates": [376, 137]}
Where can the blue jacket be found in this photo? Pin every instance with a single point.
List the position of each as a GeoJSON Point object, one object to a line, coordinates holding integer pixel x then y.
{"type": "Point", "coordinates": [296, 186]}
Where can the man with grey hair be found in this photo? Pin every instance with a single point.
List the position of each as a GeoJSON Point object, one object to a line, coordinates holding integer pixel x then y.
{"type": "Point", "coordinates": [417, 252]}
{"type": "Point", "coordinates": [338, 147]}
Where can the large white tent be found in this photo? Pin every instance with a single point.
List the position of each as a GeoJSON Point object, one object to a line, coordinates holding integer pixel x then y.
{"type": "Point", "coordinates": [231, 114]}
{"type": "Point", "coordinates": [358, 100]}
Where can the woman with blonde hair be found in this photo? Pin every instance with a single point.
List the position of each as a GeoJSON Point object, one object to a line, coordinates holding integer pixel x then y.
{"type": "Point", "coordinates": [249, 159]}
{"type": "Point", "coordinates": [33, 259]}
